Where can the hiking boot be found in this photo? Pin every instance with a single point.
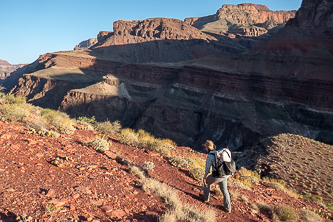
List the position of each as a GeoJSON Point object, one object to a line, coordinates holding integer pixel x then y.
{"type": "Point", "coordinates": [224, 209]}
{"type": "Point", "coordinates": [202, 197]}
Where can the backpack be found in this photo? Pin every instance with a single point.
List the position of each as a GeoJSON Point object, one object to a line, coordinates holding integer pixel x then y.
{"type": "Point", "coordinates": [224, 164]}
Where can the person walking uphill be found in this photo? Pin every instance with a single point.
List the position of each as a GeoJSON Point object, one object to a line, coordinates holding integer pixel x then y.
{"type": "Point", "coordinates": [207, 181]}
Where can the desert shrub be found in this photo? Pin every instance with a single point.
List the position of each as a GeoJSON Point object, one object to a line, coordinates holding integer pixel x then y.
{"type": "Point", "coordinates": [10, 99]}
{"type": "Point", "coordinates": [267, 210]}
{"type": "Point", "coordinates": [144, 137]}
{"type": "Point", "coordinates": [108, 128]}
{"type": "Point", "coordinates": [313, 198]}
{"type": "Point", "coordinates": [169, 216]}
{"type": "Point", "coordinates": [60, 120]}
{"type": "Point", "coordinates": [218, 191]}
{"type": "Point", "coordinates": [280, 185]}
{"type": "Point", "coordinates": [244, 199]}
{"type": "Point", "coordinates": [196, 163]}
{"type": "Point", "coordinates": [13, 112]}
{"type": "Point", "coordinates": [310, 216]}
{"type": "Point", "coordinates": [247, 177]}
{"type": "Point", "coordinates": [136, 171]}
{"type": "Point", "coordinates": [240, 185]}
{"type": "Point", "coordinates": [178, 161]}
{"type": "Point", "coordinates": [197, 173]}
{"type": "Point", "coordinates": [86, 120]}
{"type": "Point", "coordinates": [99, 144]}
{"type": "Point", "coordinates": [178, 211]}
{"type": "Point", "coordinates": [286, 213]}
{"type": "Point", "coordinates": [148, 165]}
{"type": "Point", "coordinates": [190, 213]}
{"type": "Point", "coordinates": [128, 136]}
{"type": "Point", "coordinates": [329, 206]}
{"type": "Point", "coordinates": [158, 146]}
{"type": "Point", "coordinates": [233, 194]}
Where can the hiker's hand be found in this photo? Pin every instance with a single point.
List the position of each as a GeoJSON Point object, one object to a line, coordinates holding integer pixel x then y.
{"type": "Point", "coordinates": [204, 181]}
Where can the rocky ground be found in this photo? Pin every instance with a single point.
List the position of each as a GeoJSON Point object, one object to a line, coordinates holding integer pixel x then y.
{"type": "Point", "coordinates": [93, 186]}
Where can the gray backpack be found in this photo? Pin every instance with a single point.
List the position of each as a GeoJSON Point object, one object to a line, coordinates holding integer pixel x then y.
{"type": "Point", "coordinates": [224, 164]}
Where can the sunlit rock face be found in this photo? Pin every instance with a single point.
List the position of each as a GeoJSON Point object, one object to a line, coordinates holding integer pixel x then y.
{"type": "Point", "coordinates": [246, 20]}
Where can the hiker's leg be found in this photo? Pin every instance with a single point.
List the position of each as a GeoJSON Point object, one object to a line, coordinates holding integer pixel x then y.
{"type": "Point", "coordinates": [226, 196]}
{"type": "Point", "coordinates": [210, 180]}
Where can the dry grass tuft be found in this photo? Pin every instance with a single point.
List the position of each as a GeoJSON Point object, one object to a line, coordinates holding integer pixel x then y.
{"type": "Point", "coordinates": [178, 211]}
{"type": "Point", "coordinates": [310, 216]}
{"type": "Point", "coordinates": [108, 128]}
{"type": "Point", "coordinates": [247, 177]}
{"type": "Point", "coordinates": [286, 213]}
{"type": "Point", "coordinates": [136, 171]}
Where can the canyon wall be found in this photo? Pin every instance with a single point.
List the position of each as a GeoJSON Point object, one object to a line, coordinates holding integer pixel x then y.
{"type": "Point", "coordinates": [177, 82]}
{"type": "Point", "coordinates": [243, 20]}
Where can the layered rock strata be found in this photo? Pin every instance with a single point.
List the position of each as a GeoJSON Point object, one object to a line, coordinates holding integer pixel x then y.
{"type": "Point", "coordinates": [247, 20]}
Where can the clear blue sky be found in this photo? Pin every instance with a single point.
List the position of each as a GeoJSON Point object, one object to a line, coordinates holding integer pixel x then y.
{"type": "Point", "coordinates": [29, 28]}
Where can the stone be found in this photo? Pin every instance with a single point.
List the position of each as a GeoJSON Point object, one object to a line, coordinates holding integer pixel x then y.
{"type": "Point", "coordinates": [83, 189]}
{"type": "Point", "coordinates": [6, 136]}
{"type": "Point", "coordinates": [50, 193]}
{"type": "Point", "coordinates": [57, 202]}
{"type": "Point", "coordinates": [107, 208]}
{"type": "Point", "coordinates": [110, 154]}
{"type": "Point", "coordinates": [118, 213]}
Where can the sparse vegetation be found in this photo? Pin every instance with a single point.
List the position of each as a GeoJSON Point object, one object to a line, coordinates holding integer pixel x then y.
{"type": "Point", "coordinates": [149, 166]}
{"type": "Point", "coordinates": [310, 216]}
{"type": "Point", "coordinates": [136, 171]}
{"type": "Point", "coordinates": [108, 128]}
{"type": "Point", "coordinates": [146, 141]}
{"type": "Point", "coordinates": [286, 213]}
{"type": "Point", "coordinates": [267, 210]}
{"type": "Point", "coordinates": [299, 171]}
{"type": "Point", "coordinates": [128, 136]}
{"type": "Point", "coordinates": [247, 177]}
{"type": "Point", "coordinates": [100, 145]}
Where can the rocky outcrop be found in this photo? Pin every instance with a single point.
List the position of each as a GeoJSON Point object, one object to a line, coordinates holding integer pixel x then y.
{"type": "Point", "coordinates": [247, 20]}
{"type": "Point", "coordinates": [9, 74]}
{"type": "Point", "coordinates": [86, 44]}
{"type": "Point", "coordinates": [314, 15]}
{"type": "Point", "coordinates": [159, 40]}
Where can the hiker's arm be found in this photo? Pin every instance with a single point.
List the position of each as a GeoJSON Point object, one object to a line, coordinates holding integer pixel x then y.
{"type": "Point", "coordinates": [204, 178]}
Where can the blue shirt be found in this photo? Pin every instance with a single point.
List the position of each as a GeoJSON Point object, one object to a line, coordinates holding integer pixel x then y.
{"type": "Point", "coordinates": [210, 161]}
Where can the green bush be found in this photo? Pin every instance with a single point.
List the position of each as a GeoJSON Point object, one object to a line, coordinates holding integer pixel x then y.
{"type": "Point", "coordinates": [99, 144]}
{"type": "Point", "coordinates": [87, 120]}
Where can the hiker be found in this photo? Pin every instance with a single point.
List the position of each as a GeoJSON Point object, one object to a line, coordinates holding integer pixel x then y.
{"type": "Point", "coordinates": [207, 181]}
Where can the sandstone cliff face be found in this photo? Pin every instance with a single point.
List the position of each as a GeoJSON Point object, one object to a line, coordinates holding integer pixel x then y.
{"type": "Point", "coordinates": [86, 44]}
{"type": "Point", "coordinates": [145, 74]}
{"type": "Point", "coordinates": [159, 40]}
{"type": "Point", "coordinates": [243, 20]}
{"type": "Point", "coordinates": [9, 74]}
